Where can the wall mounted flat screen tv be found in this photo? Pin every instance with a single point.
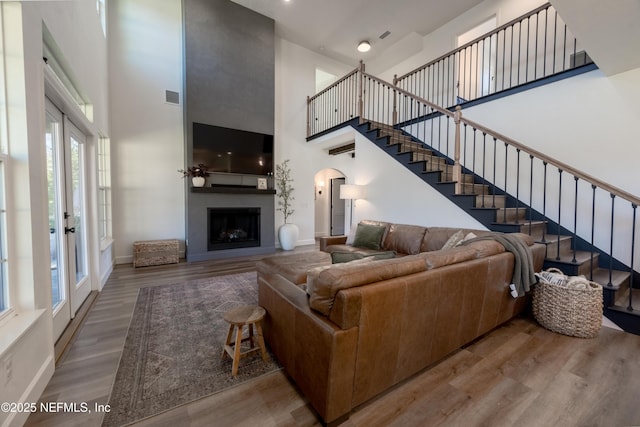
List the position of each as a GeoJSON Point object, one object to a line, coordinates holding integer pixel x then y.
{"type": "Point", "coordinates": [228, 150]}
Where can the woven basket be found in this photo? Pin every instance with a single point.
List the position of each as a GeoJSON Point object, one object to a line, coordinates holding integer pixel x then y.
{"type": "Point", "coordinates": [572, 306]}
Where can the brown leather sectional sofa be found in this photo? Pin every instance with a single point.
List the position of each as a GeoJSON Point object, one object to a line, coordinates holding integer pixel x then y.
{"type": "Point", "coordinates": [366, 325]}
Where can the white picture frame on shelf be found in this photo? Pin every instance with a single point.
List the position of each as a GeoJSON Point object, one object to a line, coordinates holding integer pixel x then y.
{"type": "Point", "coordinates": [262, 183]}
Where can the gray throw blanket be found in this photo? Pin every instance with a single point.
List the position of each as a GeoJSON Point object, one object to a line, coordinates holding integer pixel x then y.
{"type": "Point", "coordinates": [523, 270]}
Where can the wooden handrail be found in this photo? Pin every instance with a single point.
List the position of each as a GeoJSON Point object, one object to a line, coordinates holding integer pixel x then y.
{"type": "Point", "coordinates": [331, 86]}
{"type": "Point", "coordinates": [541, 156]}
{"type": "Point", "coordinates": [558, 164]}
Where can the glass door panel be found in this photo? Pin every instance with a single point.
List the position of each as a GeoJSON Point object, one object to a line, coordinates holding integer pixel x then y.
{"type": "Point", "coordinates": [76, 215]}
{"type": "Point", "coordinates": [55, 169]}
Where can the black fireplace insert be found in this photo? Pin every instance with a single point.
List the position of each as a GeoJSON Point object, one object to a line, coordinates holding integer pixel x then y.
{"type": "Point", "coordinates": [232, 228]}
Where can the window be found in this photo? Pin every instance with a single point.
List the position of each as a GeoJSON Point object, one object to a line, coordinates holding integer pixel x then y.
{"type": "Point", "coordinates": [4, 297]}
{"type": "Point", "coordinates": [4, 138]}
{"type": "Point", "coordinates": [100, 8]}
{"type": "Point", "coordinates": [104, 191]}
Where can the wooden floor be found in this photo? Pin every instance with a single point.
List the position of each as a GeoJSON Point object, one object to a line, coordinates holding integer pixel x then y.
{"type": "Point", "coordinates": [518, 375]}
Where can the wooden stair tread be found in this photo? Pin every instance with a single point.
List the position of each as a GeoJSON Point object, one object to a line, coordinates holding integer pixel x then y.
{"type": "Point", "coordinates": [618, 278]}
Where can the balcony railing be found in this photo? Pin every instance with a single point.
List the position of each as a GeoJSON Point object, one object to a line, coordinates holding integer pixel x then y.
{"type": "Point", "coordinates": [533, 46]}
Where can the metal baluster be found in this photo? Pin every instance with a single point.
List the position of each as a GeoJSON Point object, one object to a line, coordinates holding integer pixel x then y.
{"type": "Point", "coordinates": [613, 205]}
{"type": "Point", "coordinates": [473, 164]}
{"type": "Point", "coordinates": [464, 161]}
{"type": "Point", "coordinates": [593, 227]}
{"type": "Point", "coordinates": [535, 62]}
{"type": "Point", "coordinates": [559, 212]}
{"type": "Point", "coordinates": [631, 270]}
{"type": "Point", "coordinates": [564, 49]}
{"type": "Point", "coordinates": [555, 40]}
{"type": "Point", "coordinates": [530, 194]}
{"type": "Point", "coordinates": [517, 186]}
{"type": "Point", "coordinates": [544, 201]}
{"type": "Point", "coordinates": [495, 150]}
{"type": "Point", "coordinates": [506, 163]}
{"type": "Point", "coordinates": [575, 222]}
{"type": "Point", "coordinates": [546, 30]}
{"type": "Point", "coordinates": [519, 50]}
{"type": "Point", "coordinates": [484, 158]}
{"type": "Point", "coordinates": [526, 69]}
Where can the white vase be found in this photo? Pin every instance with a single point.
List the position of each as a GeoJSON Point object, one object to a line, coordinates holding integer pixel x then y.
{"type": "Point", "coordinates": [288, 236]}
{"type": "Point", "coordinates": [198, 181]}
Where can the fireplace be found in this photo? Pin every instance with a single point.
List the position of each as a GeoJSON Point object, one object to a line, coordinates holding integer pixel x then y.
{"type": "Point", "coordinates": [231, 228]}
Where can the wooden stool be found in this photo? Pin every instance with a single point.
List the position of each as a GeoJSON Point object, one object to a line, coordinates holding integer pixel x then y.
{"type": "Point", "coordinates": [238, 317]}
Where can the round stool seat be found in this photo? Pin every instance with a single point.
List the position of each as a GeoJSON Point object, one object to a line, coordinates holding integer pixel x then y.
{"type": "Point", "coordinates": [244, 315]}
{"type": "Point", "coordinates": [237, 318]}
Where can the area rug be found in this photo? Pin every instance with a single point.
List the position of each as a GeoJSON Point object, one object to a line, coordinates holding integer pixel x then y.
{"type": "Point", "coordinates": [172, 353]}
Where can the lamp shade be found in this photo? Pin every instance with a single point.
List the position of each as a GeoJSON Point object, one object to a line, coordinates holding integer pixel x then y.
{"type": "Point", "coordinates": [352, 191]}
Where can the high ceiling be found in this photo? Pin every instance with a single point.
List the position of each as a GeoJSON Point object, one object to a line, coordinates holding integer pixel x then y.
{"type": "Point", "coordinates": [334, 27]}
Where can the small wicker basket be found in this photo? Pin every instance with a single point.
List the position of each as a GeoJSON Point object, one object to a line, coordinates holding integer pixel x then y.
{"type": "Point", "coordinates": [568, 305]}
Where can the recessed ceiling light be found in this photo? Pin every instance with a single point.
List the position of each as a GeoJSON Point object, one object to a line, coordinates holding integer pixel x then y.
{"type": "Point", "coordinates": [364, 46]}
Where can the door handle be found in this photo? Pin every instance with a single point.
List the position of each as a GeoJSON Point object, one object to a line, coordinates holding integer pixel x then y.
{"type": "Point", "coordinates": [68, 230]}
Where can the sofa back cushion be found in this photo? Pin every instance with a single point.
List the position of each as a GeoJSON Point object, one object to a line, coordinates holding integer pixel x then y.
{"type": "Point", "coordinates": [404, 239]}
{"type": "Point", "coordinates": [343, 276]}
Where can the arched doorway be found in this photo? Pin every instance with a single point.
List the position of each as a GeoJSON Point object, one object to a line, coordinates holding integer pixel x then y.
{"type": "Point", "coordinates": [329, 208]}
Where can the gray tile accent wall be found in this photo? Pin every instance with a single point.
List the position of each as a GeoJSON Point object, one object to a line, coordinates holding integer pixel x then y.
{"type": "Point", "coordinates": [229, 70]}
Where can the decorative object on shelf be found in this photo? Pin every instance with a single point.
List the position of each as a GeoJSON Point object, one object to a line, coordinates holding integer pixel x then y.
{"type": "Point", "coordinates": [197, 173]}
{"type": "Point", "coordinates": [287, 233]}
{"type": "Point", "coordinates": [262, 183]}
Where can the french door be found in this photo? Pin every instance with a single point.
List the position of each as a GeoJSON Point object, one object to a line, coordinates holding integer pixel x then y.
{"type": "Point", "coordinates": [66, 176]}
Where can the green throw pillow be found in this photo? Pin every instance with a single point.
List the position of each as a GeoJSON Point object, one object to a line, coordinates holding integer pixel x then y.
{"type": "Point", "coordinates": [369, 236]}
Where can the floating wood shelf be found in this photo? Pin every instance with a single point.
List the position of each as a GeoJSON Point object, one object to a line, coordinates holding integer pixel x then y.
{"type": "Point", "coordinates": [232, 189]}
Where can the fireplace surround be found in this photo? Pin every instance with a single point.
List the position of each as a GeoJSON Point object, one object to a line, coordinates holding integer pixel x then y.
{"type": "Point", "coordinates": [200, 200]}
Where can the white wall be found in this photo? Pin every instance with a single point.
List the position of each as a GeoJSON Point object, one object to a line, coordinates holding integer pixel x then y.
{"type": "Point", "coordinates": [145, 60]}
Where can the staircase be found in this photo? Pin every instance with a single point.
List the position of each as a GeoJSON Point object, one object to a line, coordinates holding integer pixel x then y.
{"type": "Point", "coordinates": [501, 212]}
{"type": "Point", "coordinates": [502, 183]}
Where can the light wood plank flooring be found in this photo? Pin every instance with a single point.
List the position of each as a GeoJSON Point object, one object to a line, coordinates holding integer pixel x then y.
{"type": "Point", "coordinates": [519, 374]}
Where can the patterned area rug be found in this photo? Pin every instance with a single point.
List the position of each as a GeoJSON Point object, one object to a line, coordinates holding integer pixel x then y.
{"type": "Point", "coordinates": [172, 354]}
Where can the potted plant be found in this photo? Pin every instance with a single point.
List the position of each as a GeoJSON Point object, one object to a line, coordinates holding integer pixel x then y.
{"type": "Point", "coordinates": [287, 233]}
{"type": "Point", "coordinates": [197, 173]}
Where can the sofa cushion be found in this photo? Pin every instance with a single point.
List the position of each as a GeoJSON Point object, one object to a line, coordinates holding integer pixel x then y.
{"type": "Point", "coordinates": [293, 267]}
{"type": "Point", "coordinates": [436, 259]}
{"type": "Point", "coordinates": [314, 273]}
{"type": "Point", "coordinates": [369, 236]}
{"type": "Point", "coordinates": [343, 276]}
{"type": "Point", "coordinates": [338, 257]}
{"type": "Point", "coordinates": [404, 238]}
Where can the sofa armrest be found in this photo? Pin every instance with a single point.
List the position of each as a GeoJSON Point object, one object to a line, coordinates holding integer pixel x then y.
{"type": "Point", "coordinates": [316, 353]}
{"type": "Point", "coordinates": [331, 240]}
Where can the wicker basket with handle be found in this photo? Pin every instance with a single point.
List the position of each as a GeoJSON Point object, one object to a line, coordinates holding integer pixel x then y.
{"type": "Point", "coordinates": [569, 305]}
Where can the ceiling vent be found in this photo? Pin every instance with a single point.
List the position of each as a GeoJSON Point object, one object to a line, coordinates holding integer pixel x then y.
{"type": "Point", "coordinates": [384, 35]}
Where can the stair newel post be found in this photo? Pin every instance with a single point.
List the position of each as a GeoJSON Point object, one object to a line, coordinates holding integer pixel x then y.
{"type": "Point", "coordinates": [361, 93]}
{"type": "Point", "coordinates": [457, 169]}
{"type": "Point", "coordinates": [394, 118]}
